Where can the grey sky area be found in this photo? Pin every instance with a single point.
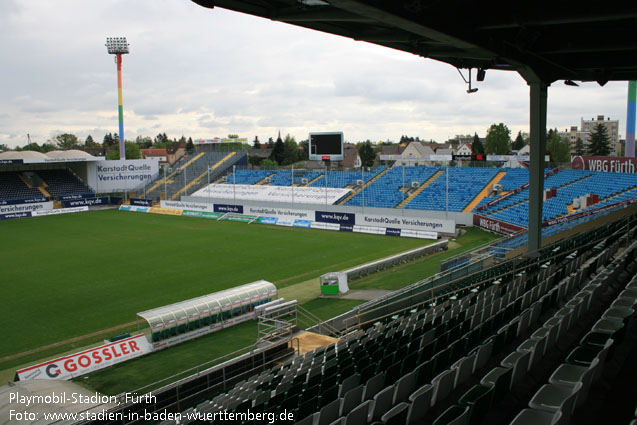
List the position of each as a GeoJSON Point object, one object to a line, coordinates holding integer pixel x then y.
{"type": "Point", "coordinates": [207, 73]}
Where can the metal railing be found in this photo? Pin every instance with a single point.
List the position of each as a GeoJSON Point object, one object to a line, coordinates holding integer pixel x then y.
{"type": "Point", "coordinates": [322, 326]}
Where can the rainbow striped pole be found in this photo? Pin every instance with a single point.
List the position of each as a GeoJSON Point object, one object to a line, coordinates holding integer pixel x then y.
{"type": "Point", "coordinates": [120, 107]}
{"type": "Point", "coordinates": [630, 119]}
{"type": "Point", "coordinates": [118, 46]}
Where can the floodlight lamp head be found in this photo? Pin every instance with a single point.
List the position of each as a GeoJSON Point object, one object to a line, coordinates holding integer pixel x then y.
{"type": "Point", "coordinates": [116, 45]}
{"type": "Point", "coordinates": [473, 90]}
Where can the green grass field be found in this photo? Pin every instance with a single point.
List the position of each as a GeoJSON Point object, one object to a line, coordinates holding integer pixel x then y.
{"type": "Point", "coordinates": [70, 275]}
{"type": "Point", "coordinates": [148, 369]}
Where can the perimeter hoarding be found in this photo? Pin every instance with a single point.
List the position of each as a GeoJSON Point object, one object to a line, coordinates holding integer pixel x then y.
{"type": "Point", "coordinates": [23, 201]}
{"type": "Point", "coordinates": [496, 226]}
{"type": "Point", "coordinates": [74, 365]}
{"type": "Point", "coordinates": [104, 200]}
{"type": "Point", "coordinates": [610, 164]}
{"type": "Point", "coordinates": [287, 216]}
{"type": "Point", "coordinates": [21, 208]}
{"type": "Point", "coordinates": [401, 222]}
{"type": "Point", "coordinates": [114, 176]}
{"type": "Point", "coordinates": [275, 212]}
{"type": "Point", "coordinates": [192, 206]}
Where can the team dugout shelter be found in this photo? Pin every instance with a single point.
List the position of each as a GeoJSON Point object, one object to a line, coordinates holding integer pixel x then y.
{"type": "Point", "coordinates": [218, 310]}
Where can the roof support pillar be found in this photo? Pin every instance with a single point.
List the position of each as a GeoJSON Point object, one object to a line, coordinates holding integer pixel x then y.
{"type": "Point", "coordinates": [538, 95]}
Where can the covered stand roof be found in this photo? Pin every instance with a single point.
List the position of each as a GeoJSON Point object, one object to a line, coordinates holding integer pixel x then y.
{"type": "Point", "coordinates": [52, 156]}
{"type": "Point", "coordinates": [556, 40]}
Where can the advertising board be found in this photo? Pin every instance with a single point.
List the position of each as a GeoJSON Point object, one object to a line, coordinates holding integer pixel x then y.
{"type": "Point", "coordinates": [88, 361]}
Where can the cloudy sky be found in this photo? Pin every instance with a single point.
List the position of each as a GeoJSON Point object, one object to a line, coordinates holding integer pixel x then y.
{"type": "Point", "coordinates": [207, 73]}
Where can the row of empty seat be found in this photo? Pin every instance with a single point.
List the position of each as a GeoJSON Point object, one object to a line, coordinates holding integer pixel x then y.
{"type": "Point", "coordinates": [432, 365]}
{"type": "Point", "coordinates": [474, 352]}
{"type": "Point", "coordinates": [454, 188]}
{"type": "Point", "coordinates": [569, 385]}
{"type": "Point", "coordinates": [62, 183]}
{"type": "Point", "coordinates": [59, 183]}
{"type": "Point", "coordinates": [569, 184]}
{"type": "Point", "coordinates": [190, 173]}
{"type": "Point", "coordinates": [12, 187]}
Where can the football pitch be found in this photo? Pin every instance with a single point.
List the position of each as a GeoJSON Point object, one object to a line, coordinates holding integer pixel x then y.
{"type": "Point", "coordinates": [68, 276]}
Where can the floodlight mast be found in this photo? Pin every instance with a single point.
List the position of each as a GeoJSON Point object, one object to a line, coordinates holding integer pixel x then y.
{"type": "Point", "coordinates": [118, 46]}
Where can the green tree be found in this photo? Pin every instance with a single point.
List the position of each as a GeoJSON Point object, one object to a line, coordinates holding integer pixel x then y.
{"type": "Point", "coordinates": [476, 147]}
{"type": "Point", "coordinates": [268, 164]}
{"type": "Point", "coordinates": [255, 143]}
{"type": "Point", "coordinates": [144, 142]}
{"type": "Point", "coordinates": [559, 149]}
{"type": "Point", "coordinates": [108, 140]}
{"type": "Point", "coordinates": [190, 146]}
{"type": "Point", "coordinates": [367, 153]}
{"type": "Point", "coordinates": [66, 141]}
{"type": "Point", "coordinates": [278, 151]}
{"type": "Point", "coordinates": [600, 142]}
{"type": "Point", "coordinates": [162, 139]}
{"type": "Point", "coordinates": [498, 140]}
{"type": "Point", "coordinates": [31, 147]}
{"type": "Point", "coordinates": [519, 142]}
{"type": "Point", "coordinates": [579, 146]}
{"type": "Point", "coordinates": [304, 153]}
{"type": "Point", "coordinates": [4, 148]}
{"type": "Point", "coordinates": [254, 160]}
{"type": "Point", "coordinates": [132, 152]}
{"type": "Point", "coordinates": [290, 150]}
{"type": "Point", "coordinates": [89, 142]}
{"type": "Point", "coordinates": [47, 147]}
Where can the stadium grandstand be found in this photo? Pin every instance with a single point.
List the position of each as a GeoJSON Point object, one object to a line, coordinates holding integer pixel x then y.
{"type": "Point", "coordinates": [30, 176]}
{"type": "Point", "coordinates": [543, 338]}
{"type": "Point", "coordinates": [528, 340]}
{"type": "Point", "coordinates": [192, 172]}
{"type": "Point", "coordinates": [539, 331]}
{"type": "Point", "coordinates": [500, 194]}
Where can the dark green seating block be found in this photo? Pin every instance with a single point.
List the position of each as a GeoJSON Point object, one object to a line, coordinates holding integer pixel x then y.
{"type": "Point", "coordinates": [478, 398]}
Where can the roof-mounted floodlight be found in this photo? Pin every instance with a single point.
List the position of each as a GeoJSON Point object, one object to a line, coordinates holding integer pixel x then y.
{"type": "Point", "coordinates": [116, 45]}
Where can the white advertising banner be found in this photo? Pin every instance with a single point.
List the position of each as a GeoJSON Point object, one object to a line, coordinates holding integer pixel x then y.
{"type": "Point", "coordinates": [278, 212]}
{"type": "Point", "coordinates": [325, 226]}
{"type": "Point", "coordinates": [248, 192]}
{"type": "Point", "coordinates": [369, 229]}
{"type": "Point", "coordinates": [15, 208]}
{"type": "Point", "coordinates": [400, 222]}
{"type": "Point", "coordinates": [113, 176]}
{"type": "Point", "coordinates": [88, 361]}
{"type": "Point", "coordinates": [418, 234]}
{"type": "Point", "coordinates": [58, 211]}
{"type": "Point", "coordinates": [190, 206]}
